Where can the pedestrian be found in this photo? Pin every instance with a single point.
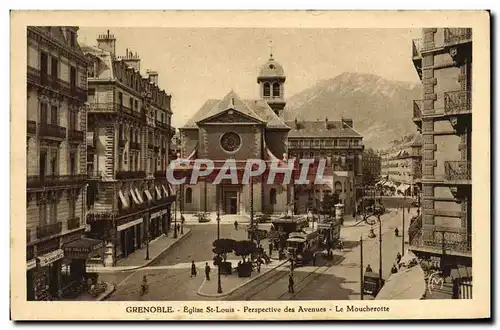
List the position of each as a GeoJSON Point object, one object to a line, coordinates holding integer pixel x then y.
{"type": "Point", "coordinates": [368, 269]}
{"type": "Point", "coordinates": [207, 271]}
{"type": "Point", "coordinates": [259, 262]}
{"type": "Point", "coordinates": [235, 225]}
{"type": "Point", "coordinates": [398, 257]}
{"type": "Point", "coordinates": [314, 259]}
{"type": "Point", "coordinates": [193, 269]}
{"type": "Point", "coordinates": [270, 248]}
{"type": "Point", "coordinates": [290, 283]}
{"type": "Point", "coordinates": [394, 269]}
{"type": "Point", "coordinates": [409, 208]}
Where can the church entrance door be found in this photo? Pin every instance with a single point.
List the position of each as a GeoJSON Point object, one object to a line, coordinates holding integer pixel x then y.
{"type": "Point", "coordinates": [231, 202]}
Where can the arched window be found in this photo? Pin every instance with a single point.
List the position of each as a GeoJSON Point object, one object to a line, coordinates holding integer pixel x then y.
{"type": "Point", "coordinates": [338, 187]}
{"type": "Point", "coordinates": [267, 89]}
{"type": "Point", "coordinates": [272, 196]}
{"type": "Point", "coordinates": [276, 90]}
{"type": "Point", "coordinates": [189, 195]}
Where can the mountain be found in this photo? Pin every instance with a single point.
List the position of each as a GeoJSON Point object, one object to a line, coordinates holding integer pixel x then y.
{"type": "Point", "coordinates": [381, 109]}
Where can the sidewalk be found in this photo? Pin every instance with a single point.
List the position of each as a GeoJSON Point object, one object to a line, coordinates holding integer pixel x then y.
{"type": "Point", "coordinates": [85, 296]}
{"type": "Point", "coordinates": [137, 260]}
{"type": "Point", "coordinates": [231, 283]}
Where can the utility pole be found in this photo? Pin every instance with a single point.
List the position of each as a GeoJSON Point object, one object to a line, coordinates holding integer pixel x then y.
{"type": "Point", "coordinates": [251, 232]}
{"type": "Point", "coordinates": [219, 284]}
{"type": "Point", "coordinates": [361, 268]}
{"type": "Point", "coordinates": [380, 248]}
{"type": "Point", "coordinates": [403, 230]}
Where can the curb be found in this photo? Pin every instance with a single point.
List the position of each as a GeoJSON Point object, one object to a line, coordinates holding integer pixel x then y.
{"type": "Point", "coordinates": [132, 268]}
{"type": "Point", "coordinates": [106, 295]}
{"type": "Point", "coordinates": [219, 295]}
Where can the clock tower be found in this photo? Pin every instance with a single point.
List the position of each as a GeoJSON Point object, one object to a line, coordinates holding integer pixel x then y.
{"type": "Point", "coordinates": [271, 82]}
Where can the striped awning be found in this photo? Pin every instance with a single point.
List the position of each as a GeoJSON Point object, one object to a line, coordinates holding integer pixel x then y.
{"type": "Point", "coordinates": [148, 195]}
{"type": "Point", "coordinates": [139, 195]}
{"type": "Point", "coordinates": [123, 199]}
{"type": "Point", "coordinates": [134, 197]}
{"type": "Point", "coordinates": [158, 192]}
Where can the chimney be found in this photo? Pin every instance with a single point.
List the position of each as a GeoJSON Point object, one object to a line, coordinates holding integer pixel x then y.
{"type": "Point", "coordinates": [107, 42]}
{"type": "Point", "coordinates": [153, 76]}
{"type": "Point", "coordinates": [327, 126]}
{"type": "Point", "coordinates": [347, 123]}
{"type": "Point", "coordinates": [132, 60]}
{"type": "Point", "coordinates": [296, 124]}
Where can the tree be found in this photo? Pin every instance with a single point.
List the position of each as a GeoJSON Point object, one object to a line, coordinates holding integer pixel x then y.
{"type": "Point", "coordinates": [223, 247]}
{"type": "Point", "coordinates": [328, 205]}
{"type": "Point", "coordinates": [244, 249]}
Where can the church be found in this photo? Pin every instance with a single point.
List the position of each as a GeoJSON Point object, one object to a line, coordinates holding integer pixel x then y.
{"type": "Point", "coordinates": [239, 129]}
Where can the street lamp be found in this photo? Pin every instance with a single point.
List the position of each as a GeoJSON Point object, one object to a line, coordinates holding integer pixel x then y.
{"type": "Point", "coordinates": [175, 214]}
{"type": "Point", "coordinates": [361, 268]}
{"type": "Point", "coordinates": [250, 233]}
{"type": "Point", "coordinates": [219, 284]}
{"type": "Point", "coordinates": [147, 240]}
{"type": "Point", "coordinates": [380, 248]}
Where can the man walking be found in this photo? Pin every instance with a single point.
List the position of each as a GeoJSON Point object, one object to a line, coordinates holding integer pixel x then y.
{"type": "Point", "coordinates": [193, 269]}
{"type": "Point", "coordinates": [207, 271]}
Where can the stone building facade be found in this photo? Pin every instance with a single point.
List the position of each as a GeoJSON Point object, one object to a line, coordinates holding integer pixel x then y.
{"type": "Point", "coordinates": [443, 60]}
{"type": "Point", "coordinates": [129, 133]}
{"type": "Point", "coordinates": [233, 128]}
{"type": "Point", "coordinates": [56, 157]}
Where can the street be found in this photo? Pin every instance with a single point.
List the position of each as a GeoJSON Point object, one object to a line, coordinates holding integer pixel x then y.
{"type": "Point", "coordinates": [338, 279]}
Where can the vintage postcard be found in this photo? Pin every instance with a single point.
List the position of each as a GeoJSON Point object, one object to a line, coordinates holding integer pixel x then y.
{"type": "Point", "coordinates": [250, 165]}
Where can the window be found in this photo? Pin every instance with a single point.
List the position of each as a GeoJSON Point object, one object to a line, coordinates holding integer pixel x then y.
{"type": "Point", "coordinates": [72, 77]}
{"type": "Point", "coordinates": [54, 67]}
{"type": "Point", "coordinates": [53, 162]}
{"type": "Point", "coordinates": [189, 195]}
{"type": "Point", "coordinates": [338, 187]}
{"type": "Point", "coordinates": [131, 103]}
{"type": "Point", "coordinates": [53, 115]}
{"type": "Point", "coordinates": [53, 210]}
{"type": "Point", "coordinates": [267, 89]}
{"type": "Point", "coordinates": [42, 214]}
{"type": "Point", "coordinates": [276, 90]}
{"type": "Point", "coordinates": [72, 122]}
{"type": "Point", "coordinates": [44, 64]}
{"type": "Point", "coordinates": [72, 39]}
{"type": "Point", "coordinates": [43, 163]}
{"type": "Point", "coordinates": [335, 142]}
{"type": "Point", "coordinates": [91, 91]}
{"type": "Point", "coordinates": [120, 98]}
{"type": "Point", "coordinates": [125, 158]}
{"type": "Point", "coordinates": [272, 196]}
{"type": "Point", "coordinates": [72, 163]}
{"type": "Point", "coordinates": [136, 104]}
{"type": "Point", "coordinates": [43, 113]}
{"type": "Point", "coordinates": [72, 207]}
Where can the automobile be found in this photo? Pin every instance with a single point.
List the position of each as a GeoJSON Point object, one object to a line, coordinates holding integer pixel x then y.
{"type": "Point", "coordinates": [203, 217]}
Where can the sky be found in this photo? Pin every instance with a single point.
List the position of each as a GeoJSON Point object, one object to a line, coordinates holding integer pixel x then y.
{"type": "Point", "coordinates": [196, 64]}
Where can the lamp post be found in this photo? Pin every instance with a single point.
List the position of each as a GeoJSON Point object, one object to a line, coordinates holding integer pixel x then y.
{"type": "Point", "coordinates": [147, 240]}
{"type": "Point", "coordinates": [175, 213]}
{"type": "Point", "coordinates": [361, 270]}
{"type": "Point", "coordinates": [403, 230]}
{"type": "Point", "coordinates": [219, 284]}
{"type": "Point", "coordinates": [250, 233]}
{"type": "Point", "coordinates": [380, 248]}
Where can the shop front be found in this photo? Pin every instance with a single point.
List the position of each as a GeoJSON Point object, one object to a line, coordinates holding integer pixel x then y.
{"type": "Point", "coordinates": [155, 225]}
{"type": "Point", "coordinates": [45, 276]}
{"type": "Point", "coordinates": [130, 237]}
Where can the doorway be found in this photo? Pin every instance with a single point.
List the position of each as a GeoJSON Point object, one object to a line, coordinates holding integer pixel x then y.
{"type": "Point", "coordinates": [231, 202]}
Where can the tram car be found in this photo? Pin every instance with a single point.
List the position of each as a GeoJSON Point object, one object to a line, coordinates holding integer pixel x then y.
{"type": "Point", "coordinates": [301, 246]}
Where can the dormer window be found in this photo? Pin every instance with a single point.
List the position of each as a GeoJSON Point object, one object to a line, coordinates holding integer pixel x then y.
{"type": "Point", "coordinates": [267, 89]}
{"type": "Point", "coordinates": [276, 90]}
{"type": "Point", "coordinates": [271, 66]}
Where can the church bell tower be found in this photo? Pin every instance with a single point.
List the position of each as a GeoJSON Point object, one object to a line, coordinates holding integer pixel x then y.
{"type": "Point", "coordinates": [271, 82]}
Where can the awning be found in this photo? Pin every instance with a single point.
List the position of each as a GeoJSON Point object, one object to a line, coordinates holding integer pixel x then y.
{"type": "Point", "coordinates": [134, 197]}
{"type": "Point", "coordinates": [80, 248]}
{"type": "Point", "coordinates": [30, 264]}
{"type": "Point", "coordinates": [139, 195]}
{"type": "Point", "coordinates": [148, 195]}
{"type": "Point", "coordinates": [129, 224]}
{"type": "Point", "coordinates": [123, 199]}
{"type": "Point", "coordinates": [158, 192]}
{"type": "Point", "coordinates": [165, 190]}
{"type": "Point", "coordinates": [50, 257]}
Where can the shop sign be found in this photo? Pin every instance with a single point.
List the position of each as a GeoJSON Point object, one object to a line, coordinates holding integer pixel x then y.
{"type": "Point", "coordinates": [30, 264]}
{"type": "Point", "coordinates": [49, 258]}
{"type": "Point", "coordinates": [71, 237]}
{"type": "Point", "coordinates": [129, 224]}
{"type": "Point", "coordinates": [155, 215]}
{"type": "Point", "coordinates": [323, 226]}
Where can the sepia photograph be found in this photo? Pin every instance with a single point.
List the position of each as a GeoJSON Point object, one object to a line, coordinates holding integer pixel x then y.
{"type": "Point", "coordinates": [215, 172]}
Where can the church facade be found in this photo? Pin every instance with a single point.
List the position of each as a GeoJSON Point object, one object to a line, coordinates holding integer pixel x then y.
{"type": "Point", "coordinates": [234, 128]}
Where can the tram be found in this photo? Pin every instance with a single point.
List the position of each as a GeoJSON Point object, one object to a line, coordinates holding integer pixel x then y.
{"type": "Point", "coordinates": [302, 245]}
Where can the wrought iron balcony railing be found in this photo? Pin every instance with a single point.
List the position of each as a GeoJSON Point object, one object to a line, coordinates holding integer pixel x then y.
{"type": "Point", "coordinates": [50, 130]}
{"type": "Point", "coordinates": [160, 174]}
{"type": "Point", "coordinates": [457, 102]}
{"type": "Point", "coordinates": [73, 223]}
{"type": "Point", "coordinates": [452, 242]}
{"type": "Point", "coordinates": [76, 136]}
{"type": "Point", "coordinates": [417, 109]}
{"type": "Point", "coordinates": [416, 47]}
{"type": "Point", "coordinates": [457, 35]}
{"type": "Point", "coordinates": [457, 170]}
{"type": "Point", "coordinates": [40, 181]}
{"type": "Point", "coordinates": [114, 107]}
{"type": "Point", "coordinates": [123, 175]}
{"type": "Point", "coordinates": [48, 230]}
{"type": "Point", "coordinates": [31, 127]}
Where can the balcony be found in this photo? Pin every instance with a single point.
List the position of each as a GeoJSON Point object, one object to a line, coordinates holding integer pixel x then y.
{"type": "Point", "coordinates": [46, 181]}
{"type": "Point", "coordinates": [135, 145]}
{"type": "Point", "coordinates": [444, 242]}
{"type": "Point", "coordinates": [453, 36]}
{"type": "Point", "coordinates": [457, 102]}
{"type": "Point", "coordinates": [48, 230]}
{"type": "Point", "coordinates": [110, 107]}
{"type": "Point", "coordinates": [125, 175]}
{"type": "Point", "coordinates": [457, 171]}
{"type": "Point", "coordinates": [160, 174]}
{"type": "Point", "coordinates": [51, 131]}
{"type": "Point", "coordinates": [76, 136]}
{"type": "Point", "coordinates": [73, 223]}
{"type": "Point", "coordinates": [31, 127]}
{"type": "Point", "coordinates": [417, 56]}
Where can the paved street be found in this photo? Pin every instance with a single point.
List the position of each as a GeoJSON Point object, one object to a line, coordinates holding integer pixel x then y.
{"type": "Point", "coordinates": [338, 279]}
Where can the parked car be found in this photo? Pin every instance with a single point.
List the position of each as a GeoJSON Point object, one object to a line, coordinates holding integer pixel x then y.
{"type": "Point", "coordinates": [203, 217]}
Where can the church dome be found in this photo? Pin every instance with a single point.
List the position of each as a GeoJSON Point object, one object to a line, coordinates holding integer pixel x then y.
{"type": "Point", "coordinates": [272, 69]}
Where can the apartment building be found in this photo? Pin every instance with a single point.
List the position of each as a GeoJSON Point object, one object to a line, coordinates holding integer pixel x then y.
{"type": "Point", "coordinates": [56, 160]}
{"type": "Point", "coordinates": [443, 61]}
{"type": "Point", "coordinates": [342, 146]}
{"type": "Point", "coordinates": [129, 133]}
